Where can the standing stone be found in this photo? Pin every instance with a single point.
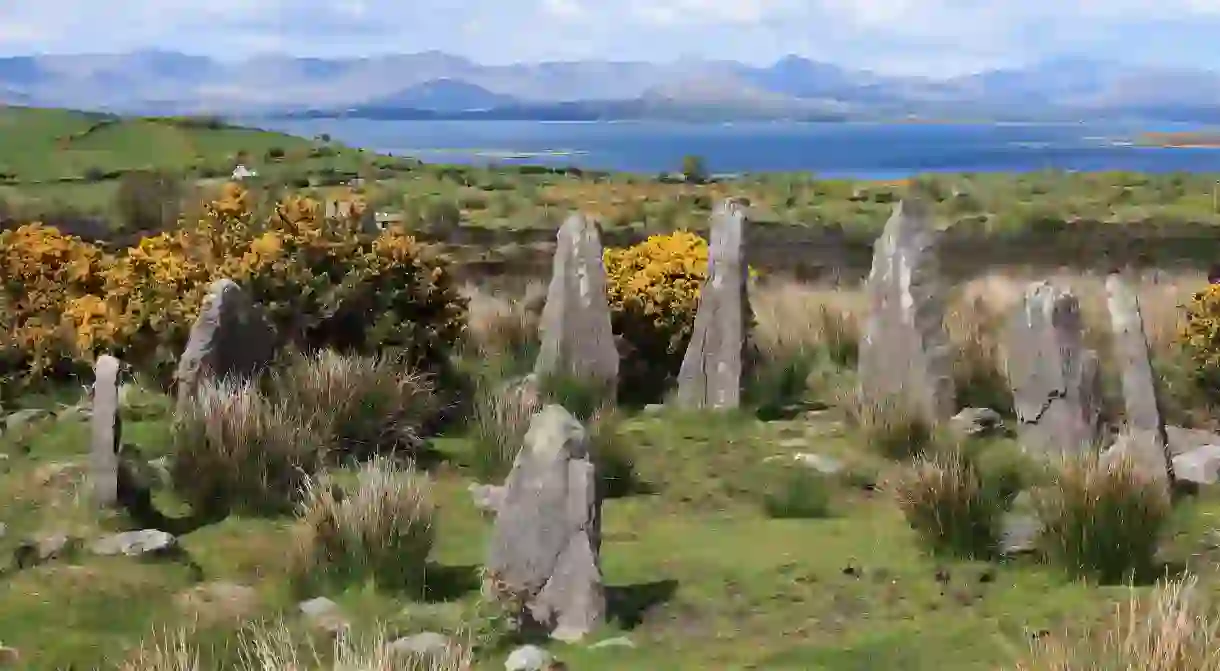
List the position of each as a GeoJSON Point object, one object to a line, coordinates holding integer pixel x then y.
{"type": "Point", "coordinates": [710, 376]}
{"type": "Point", "coordinates": [105, 429]}
{"type": "Point", "coordinates": [577, 339]}
{"type": "Point", "coordinates": [1147, 442]}
{"type": "Point", "coordinates": [231, 337]}
{"type": "Point", "coordinates": [1055, 380]}
{"type": "Point", "coordinates": [546, 545]}
{"type": "Point", "coordinates": [905, 356]}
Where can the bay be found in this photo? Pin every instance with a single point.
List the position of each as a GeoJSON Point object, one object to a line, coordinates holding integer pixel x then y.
{"type": "Point", "coordinates": [858, 150]}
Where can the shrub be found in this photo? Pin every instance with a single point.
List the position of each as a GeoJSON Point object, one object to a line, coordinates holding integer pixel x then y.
{"type": "Point", "coordinates": [41, 272]}
{"type": "Point", "coordinates": [892, 429]}
{"type": "Point", "coordinates": [653, 290]}
{"type": "Point", "coordinates": [500, 417]}
{"type": "Point", "coordinates": [383, 530]}
{"type": "Point", "coordinates": [236, 451]}
{"type": "Point", "coordinates": [149, 200]}
{"type": "Point", "coordinates": [949, 506]}
{"type": "Point", "coordinates": [795, 491]}
{"type": "Point", "coordinates": [1102, 518]}
{"type": "Point", "coordinates": [367, 405]}
{"type": "Point", "coordinates": [1172, 629]}
{"type": "Point", "coordinates": [1200, 338]}
{"type": "Point", "coordinates": [611, 453]}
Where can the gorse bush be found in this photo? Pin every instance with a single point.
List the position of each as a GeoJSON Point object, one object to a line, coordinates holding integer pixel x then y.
{"type": "Point", "coordinates": [324, 283]}
{"type": "Point", "coordinates": [1103, 518]}
{"type": "Point", "coordinates": [381, 530]}
{"type": "Point", "coordinates": [1200, 339]}
{"type": "Point", "coordinates": [41, 272]}
{"type": "Point", "coordinates": [653, 291]}
{"type": "Point", "coordinates": [365, 405]}
{"type": "Point", "coordinates": [1174, 628]}
{"type": "Point", "coordinates": [950, 507]}
{"type": "Point", "coordinates": [236, 451]}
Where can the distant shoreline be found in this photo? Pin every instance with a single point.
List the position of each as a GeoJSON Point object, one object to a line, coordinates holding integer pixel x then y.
{"type": "Point", "coordinates": [1181, 140]}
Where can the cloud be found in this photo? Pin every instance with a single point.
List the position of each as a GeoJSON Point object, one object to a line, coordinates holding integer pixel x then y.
{"type": "Point", "coordinates": [933, 36]}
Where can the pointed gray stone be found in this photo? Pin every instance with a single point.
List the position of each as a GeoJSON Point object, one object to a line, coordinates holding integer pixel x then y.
{"type": "Point", "coordinates": [1055, 378]}
{"type": "Point", "coordinates": [231, 337]}
{"type": "Point", "coordinates": [712, 368]}
{"type": "Point", "coordinates": [1148, 444]}
{"type": "Point", "coordinates": [546, 544]}
{"type": "Point", "coordinates": [135, 543]}
{"type": "Point", "coordinates": [575, 330]}
{"type": "Point", "coordinates": [105, 430]}
{"type": "Point", "coordinates": [528, 658]}
{"type": "Point", "coordinates": [905, 356]}
{"type": "Point", "coordinates": [1200, 465]}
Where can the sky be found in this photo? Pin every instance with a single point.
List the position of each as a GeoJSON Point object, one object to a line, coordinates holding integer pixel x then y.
{"type": "Point", "coordinates": [893, 36]}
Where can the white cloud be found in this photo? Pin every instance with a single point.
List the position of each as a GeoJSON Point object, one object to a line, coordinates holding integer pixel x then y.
{"type": "Point", "coordinates": [931, 35]}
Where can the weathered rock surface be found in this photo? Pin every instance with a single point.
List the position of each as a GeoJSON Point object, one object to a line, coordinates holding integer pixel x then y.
{"type": "Point", "coordinates": [146, 542]}
{"type": "Point", "coordinates": [905, 358]}
{"type": "Point", "coordinates": [717, 355]}
{"type": "Point", "coordinates": [425, 644]}
{"type": "Point", "coordinates": [231, 337]}
{"type": "Point", "coordinates": [106, 431]}
{"type": "Point", "coordinates": [528, 658]}
{"type": "Point", "coordinates": [546, 544]}
{"type": "Point", "coordinates": [324, 615]}
{"type": "Point", "coordinates": [577, 339]}
{"type": "Point", "coordinates": [487, 498]}
{"type": "Point", "coordinates": [1054, 377]}
{"type": "Point", "coordinates": [977, 422]}
{"type": "Point", "coordinates": [1148, 442]}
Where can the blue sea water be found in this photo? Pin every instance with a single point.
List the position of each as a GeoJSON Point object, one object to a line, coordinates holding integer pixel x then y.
{"type": "Point", "coordinates": [860, 150]}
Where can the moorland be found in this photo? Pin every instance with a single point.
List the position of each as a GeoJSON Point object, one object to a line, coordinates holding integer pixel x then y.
{"type": "Point", "coordinates": [796, 532]}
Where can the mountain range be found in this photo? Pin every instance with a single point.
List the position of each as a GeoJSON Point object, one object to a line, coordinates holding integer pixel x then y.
{"type": "Point", "coordinates": [440, 85]}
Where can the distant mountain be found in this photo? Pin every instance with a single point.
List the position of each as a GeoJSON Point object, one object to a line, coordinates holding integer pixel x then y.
{"type": "Point", "coordinates": [439, 85]}
{"type": "Point", "coordinates": [445, 95]}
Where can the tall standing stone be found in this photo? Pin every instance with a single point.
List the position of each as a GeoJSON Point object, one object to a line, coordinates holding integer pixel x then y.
{"type": "Point", "coordinates": [710, 376]}
{"type": "Point", "coordinates": [105, 429]}
{"type": "Point", "coordinates": [546, 544]}
{"type": "Point", "coordinates": [575, 329]}
{"type": "Point", "coordinates": [1055, 379]}
{"type": "Point", "coordinates": [231, 337]}
{"type": "Point", "coordinates": [1146, 441]}
{"type": "Point", "coordinates": [905, 358]}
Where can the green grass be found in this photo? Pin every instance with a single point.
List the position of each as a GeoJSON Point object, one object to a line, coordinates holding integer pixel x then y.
{"type": "Point", "coordinates": [701, 576]}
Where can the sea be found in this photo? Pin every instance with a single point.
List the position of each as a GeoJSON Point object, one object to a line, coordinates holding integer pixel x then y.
{"type": "Point", "coordinates": [876, 151]}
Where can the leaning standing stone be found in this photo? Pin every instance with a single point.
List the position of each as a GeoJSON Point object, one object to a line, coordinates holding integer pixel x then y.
{"type": "Point", "coordinates": [105, 432]}
{"type": "Point", "coordinates": [546, 545]}
{"type": "Point", "coordinates": [905, 357]}
{"type": "Point", "coordinates": [1054, 377]}
{"type": "Point", "coordinates": [710, 376]}
{"type": "Point", "coordinates": [231, 337]}
{"type": "Point", "coordinates": [577, 338]}
{"type": "Point", "coordinates": [1146, 441]}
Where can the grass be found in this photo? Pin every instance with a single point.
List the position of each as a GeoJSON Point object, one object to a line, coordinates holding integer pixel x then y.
{"type": "Point", "coordinates": [708, 564]}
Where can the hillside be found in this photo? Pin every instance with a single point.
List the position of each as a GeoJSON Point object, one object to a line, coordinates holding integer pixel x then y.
{"type": "Point", "coordinates": [46, 145]}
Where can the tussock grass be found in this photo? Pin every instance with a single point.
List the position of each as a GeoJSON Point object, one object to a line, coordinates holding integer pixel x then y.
{"type": "Point", "coordinates": [237, 451]}
{"type": "Point", "coordinates": [890, 427]}
{"type": "Point", "coordinates": [381, 530]}
{"type": "Point", "coordinates": [950, 507]}
{"type": "Point", "coordinates": [1174, 628]}
{"type": "Point", "coordinates": [365, 405]}
{"type": "Point", "coordinates": [503, 327]}
{"type": "Point", "coordinates": [795, 491]}
{"type": "Point", "coordinates": [792, 319]}
{"type": "Point", "coordinates": [1102, 518]}
{"type": "Point", "coordinates": [500, 416]}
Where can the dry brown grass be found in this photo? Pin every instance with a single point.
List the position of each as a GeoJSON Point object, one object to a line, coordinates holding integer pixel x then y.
{"type": "Point", "coordinates": [501, 325]}
{"type": "Point", "coordinates": [793, 319]}
{"type": "Point", "coordinates": [946, 502]}
{"type": "Point", "coordinates": [381, 530]}
{"type": "Point", "coordinates": [1172, 629]}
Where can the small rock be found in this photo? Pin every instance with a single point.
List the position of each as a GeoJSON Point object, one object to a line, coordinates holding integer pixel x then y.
{"type": "Point", "coordinates": [1200, 465]}
{"type": "Point", "coordinates": [22, 418]}
{"type": "Point", "coordinates": [616, 642]}
{"type": "Point", "coordinates": [1019, 534]}
{"type": "Point", "coordinates": [324, 615]}
{"type": "Point", "coordinates": [977, 422]}
{"type": "Point", "coordinates": [159, 469]}
{"type": "Point", "coordinates": [793, 443]}
{"type": "Point", "coordinates": [528, 658]}
{"type": "Point", "coordinates": [424, 644]}
{"type": "Point", "coordinates": [9, 656]}
{"type": "Point", "coordinates": [135, 543]}
{"type": "Point", "coordinates": [487, 497]}
{"type": "Point", "coordinates": [3, 529]}
{"type": "Point", "coordinates": [654, 409]}
{"type": "Point", "coordinates": [53, 546]}
{"type": "Point", "coordinates": [819, 463]}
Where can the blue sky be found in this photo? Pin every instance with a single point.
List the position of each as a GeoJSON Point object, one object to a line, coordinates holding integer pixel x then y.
{"type": "Point", "coordinates": [901, 36]}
